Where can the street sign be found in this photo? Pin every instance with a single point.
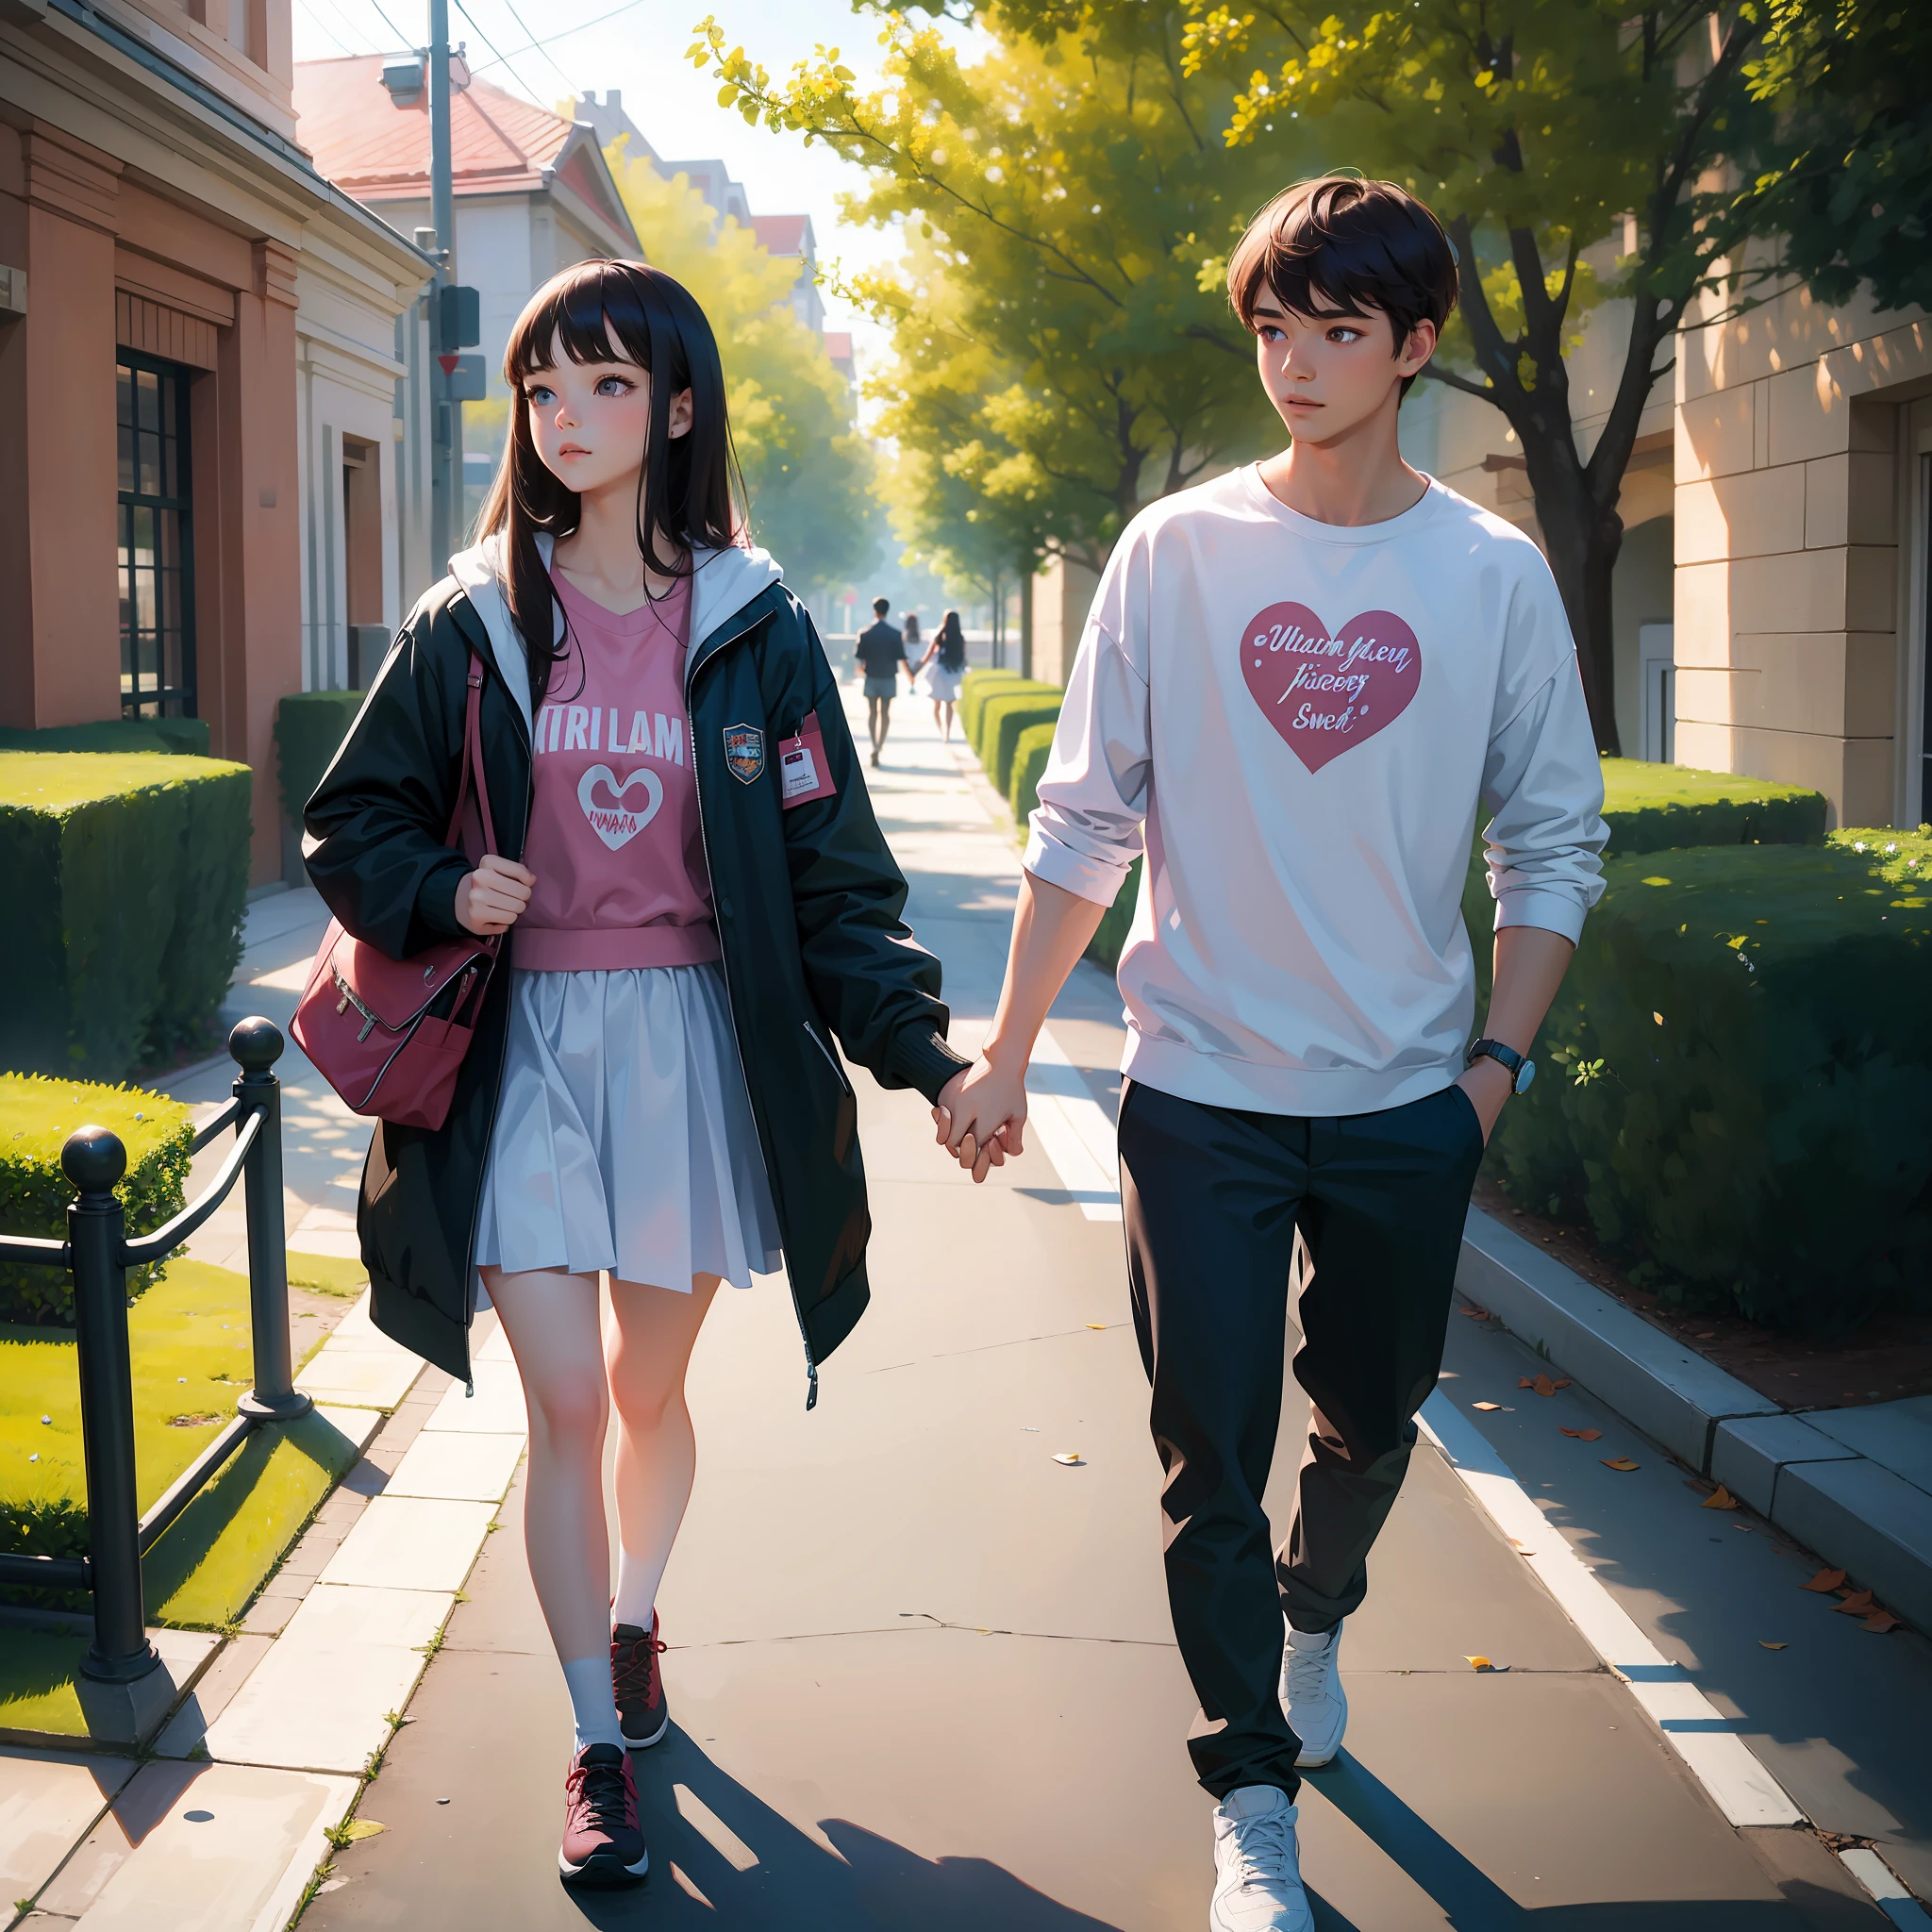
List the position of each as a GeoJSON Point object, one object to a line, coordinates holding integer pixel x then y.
{"type": "Point", "coordinates": [467, 377]}
{"type": "Point", "coordinates": [459, 317]}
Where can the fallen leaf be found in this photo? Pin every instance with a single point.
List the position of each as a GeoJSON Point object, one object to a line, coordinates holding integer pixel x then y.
{"type": "Point", "coordinates": [1720, 1498]}
{"type": "Point", "coordinates": [1486, 1406]}
{"type": "Point", "coordinates": [1096, 1324]}
{"type": "Point", "coordinates": [1762, 1645]}
{"type": "Point", "coordinates": [1825, 1581]}
{"type": "Point", "coordinates": [1482, 1663]}
{"type": "Point", "coordinates": [1621, 1462]}
{"type": "Point", "coordinates": [1562, 1382]}
{"type": "Point", "coordinates": [1858, 1604]}
{"type": "Point", "coordinates": [1584, 1435]}
{"type": "Point", "coordinates": [1542, 1385]}
{"type": "Point", "coordinates": [1880, 1621]}
{"type": "Point", "coordinates": [1475, 1313]}
{"type": "Point", "coordinates": [1071, 1458]}
{"type": "Point", "coordinates": [361, 1827]}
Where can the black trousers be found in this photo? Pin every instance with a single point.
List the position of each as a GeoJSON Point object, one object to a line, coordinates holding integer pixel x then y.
{"type": "Point", "coordinates": [1212, 1198]}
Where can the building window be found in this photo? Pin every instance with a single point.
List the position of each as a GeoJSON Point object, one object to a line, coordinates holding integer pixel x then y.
{"type": "Point", "coordinates": [156, 539]}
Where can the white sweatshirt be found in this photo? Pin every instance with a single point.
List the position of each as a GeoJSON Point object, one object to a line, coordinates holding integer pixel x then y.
{"type": "Point", "coordinates": [1309, 794]}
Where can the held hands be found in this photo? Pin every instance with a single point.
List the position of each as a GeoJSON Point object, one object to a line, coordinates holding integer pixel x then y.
{"type": "Point", "coordinates": [980, 1115]}
{"type": "Point", "coordinates": [492, 899]}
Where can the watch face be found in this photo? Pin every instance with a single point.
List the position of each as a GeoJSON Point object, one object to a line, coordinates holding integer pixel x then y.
{"type": "Point", "coordinates": [1525, 1073]}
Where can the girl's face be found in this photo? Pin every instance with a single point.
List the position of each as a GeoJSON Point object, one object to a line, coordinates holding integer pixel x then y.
{"type": "Point", "coordinates": [1327, 374]}
{"type": "Point", "coordinates": [590, 421]}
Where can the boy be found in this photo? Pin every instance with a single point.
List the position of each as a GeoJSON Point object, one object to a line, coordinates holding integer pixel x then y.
{"type": "Point", "coordinates": [1299, 678]}
{"type": "Point", "coordinates": [880, 650]}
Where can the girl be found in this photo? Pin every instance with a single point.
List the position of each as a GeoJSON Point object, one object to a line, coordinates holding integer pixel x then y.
{"type": "Point", "coordinates": [948, 648]}
{"type": "Point", "coordinates": [695, 895]}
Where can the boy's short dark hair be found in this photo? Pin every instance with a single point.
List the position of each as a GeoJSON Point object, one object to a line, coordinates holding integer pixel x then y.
{"type": "Point", "coordinates": [1339, 243]}
{"type": "Point", "coordinates": [880, 606]}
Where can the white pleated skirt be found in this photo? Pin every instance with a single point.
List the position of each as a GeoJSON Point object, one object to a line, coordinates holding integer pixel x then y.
{"type": "Point", "coordinates": [624, 1138]}
{"type": "Point", "coordinates": [942, 686]}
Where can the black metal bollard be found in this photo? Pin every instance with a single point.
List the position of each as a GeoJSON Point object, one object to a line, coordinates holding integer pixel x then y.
{"type": "Point", "coordinates": [256, 1045]}
{"type": "Point", "coordinates": [94, 1160]}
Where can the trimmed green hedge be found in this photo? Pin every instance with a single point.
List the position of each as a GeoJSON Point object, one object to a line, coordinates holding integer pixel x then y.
{"type": "Point", "coordinates": [310, 730]}
{"type": "Point", "coordinates": [973, 690]}
{"type": "Point", "coordinates": [1735, 1083]}
{"type": "Point", "coordinates": [35, 1116]}
{"type": "Point", "coordinates": [1110, 935]}
{"type": "Point", "coordinates": [1001, 719]}
{"type": "Point", "coordinates": [1666, 807]}
{"type": "Point", "coordinates": [991, 702]}
{"type": "Point", "coordinates": [181, 737]}
{"type": "Point", "coordinates": [127, 876]}
{"type": "Point", "coordinates": [1031, 750]}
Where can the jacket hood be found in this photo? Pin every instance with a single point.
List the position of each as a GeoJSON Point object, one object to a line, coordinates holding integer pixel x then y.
{"type": "Point", "coordinates": [723, 583]}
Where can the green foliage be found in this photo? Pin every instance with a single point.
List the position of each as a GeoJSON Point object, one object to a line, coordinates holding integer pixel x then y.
{"type": "Point", "coordinates": [1000, 720]}
{"type": "Point", "coordinates": [1031, 750]}
{"type": "Point", "coordinates": [35, 1117]}
{"type": "Point", "coordinates": [1056, 351]}
{"type": "Point", "coordinates": [186, 736]}
{"type": "Point", "coordinates": [974, 688]}
{"type": "Point", "coordinates": [1110, 935]}
{"type": "Point", "coordinates": [807, 471]}
{"type": "Point", "coordinates": [1900, 859]}
{"type": "Point", "coordinates": [310, 730]}
{"type": "Point", "coordinates": [1844, 180]}
{"type": "Point", "coordinates": [189, 1348]}
{"type": "Point", "coordinates": [991, 703]}
{"type": "Point", "coordinates": [1660, 808]}
{"type": "Point", "coordinates": [130, 877]}
{"type": "Point", "coordinates": [1735, 1079]}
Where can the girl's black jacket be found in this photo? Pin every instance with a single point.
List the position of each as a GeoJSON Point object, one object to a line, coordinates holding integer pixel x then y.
{"type": "Point", "coordinates": [807, 901]}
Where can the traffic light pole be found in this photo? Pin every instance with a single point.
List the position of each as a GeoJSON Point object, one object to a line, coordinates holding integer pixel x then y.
{"type": "Point", "coordinates": [446, 417]}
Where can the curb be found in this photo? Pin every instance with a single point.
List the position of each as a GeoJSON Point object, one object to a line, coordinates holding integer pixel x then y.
{"type": "Point", "coordinates": [1856, 1513]}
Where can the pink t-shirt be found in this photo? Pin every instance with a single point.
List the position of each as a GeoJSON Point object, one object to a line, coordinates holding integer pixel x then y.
{"type": "Point", "coordinates": [614, 837]}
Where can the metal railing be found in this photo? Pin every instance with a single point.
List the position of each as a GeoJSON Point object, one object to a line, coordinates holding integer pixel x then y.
{"type": "Point", "coordinates": [98, 1254]}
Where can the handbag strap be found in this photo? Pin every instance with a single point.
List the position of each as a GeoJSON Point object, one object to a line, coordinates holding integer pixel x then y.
{"type": "Point", "coordinates": [473, 762]}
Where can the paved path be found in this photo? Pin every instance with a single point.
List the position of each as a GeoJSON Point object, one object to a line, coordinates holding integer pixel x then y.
{"type": "Point", "coordinates": [922, 1677]}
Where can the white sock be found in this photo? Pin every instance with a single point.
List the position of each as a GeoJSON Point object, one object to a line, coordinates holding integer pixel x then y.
{"type": "Point", "coordinates": [593, 1702]}
{"type": "Point", "coordinates": [637, 1589]}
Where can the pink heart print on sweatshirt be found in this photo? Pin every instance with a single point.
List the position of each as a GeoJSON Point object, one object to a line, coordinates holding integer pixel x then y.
{"type": "Point", "coordinates": [1327, 690]}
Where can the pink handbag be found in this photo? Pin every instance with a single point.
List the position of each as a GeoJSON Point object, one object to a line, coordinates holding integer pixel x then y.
{"type": "Point", "coordinates": [389, 1035]}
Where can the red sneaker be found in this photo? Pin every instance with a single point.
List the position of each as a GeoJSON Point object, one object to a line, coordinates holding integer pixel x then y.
{"type": "Point", "coordinates": [642, 1710]}
{"type": "Point", "coordinates": [603, 1843]}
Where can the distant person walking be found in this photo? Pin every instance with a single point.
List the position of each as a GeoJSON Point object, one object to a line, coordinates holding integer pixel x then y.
{"type": "Point", "coordinates": [880, 651]}
{"type": "Point", "coordinates": [944, 665]}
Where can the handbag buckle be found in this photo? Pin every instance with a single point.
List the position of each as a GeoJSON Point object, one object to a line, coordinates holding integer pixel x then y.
{"type": "Point", "coordinates": [349, 999]}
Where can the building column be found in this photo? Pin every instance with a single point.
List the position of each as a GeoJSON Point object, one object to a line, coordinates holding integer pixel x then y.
{"type": "Point", "coordinates": [60, 598]}
{"type": "Point", "coordinates": [255, 658]}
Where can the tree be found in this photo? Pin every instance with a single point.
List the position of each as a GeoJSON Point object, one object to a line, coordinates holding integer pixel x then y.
{"type": "Point", "coordinates": [1057, 349]}
{"type": "Point", "coordinates": [807, 471]}
{"type": "Point", "coordinates": [1534, 129]}
{"type": "Point", "coordinates": [1844, 179]}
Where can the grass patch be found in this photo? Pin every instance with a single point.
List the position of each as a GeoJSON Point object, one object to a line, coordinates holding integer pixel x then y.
{"type": "Point", "coordinates": [189, 1346]}
{"type": "Point", "coordinates": [327, 1275]}
{"type": "Point", "coordinates": [36, 1672]}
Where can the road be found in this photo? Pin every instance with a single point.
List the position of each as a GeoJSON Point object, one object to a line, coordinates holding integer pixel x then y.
{"type": "Point", "coordinates": [921, 1674]}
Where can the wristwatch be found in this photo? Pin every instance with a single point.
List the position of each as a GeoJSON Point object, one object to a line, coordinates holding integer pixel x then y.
{"type": "Point", "coordinates": [1521, 1071]}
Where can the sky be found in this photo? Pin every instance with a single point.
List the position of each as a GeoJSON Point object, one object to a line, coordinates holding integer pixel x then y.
{"type": "Point", "coordinates": [641, 49]}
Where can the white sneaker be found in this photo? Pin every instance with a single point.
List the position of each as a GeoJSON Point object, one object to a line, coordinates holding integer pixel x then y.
{"type": "Point", "coordinates": [1257, 1880]}
{"type": "Point", "coordinates": [1313, 1698]}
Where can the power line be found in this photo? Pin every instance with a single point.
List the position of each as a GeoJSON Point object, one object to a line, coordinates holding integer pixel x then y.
{"type": "Point", "coordinates": [402, 39]}
{"type": "Point", "coordinates": [323, 27]}
{"type": "Point", "coordinates": [500, 61]}
{"type": "Point", "coordinates": [346, 21]}
{"type": "Point", "coordinates": [550, 39]}
{"type": "Point", "coordinates": [539, 47]}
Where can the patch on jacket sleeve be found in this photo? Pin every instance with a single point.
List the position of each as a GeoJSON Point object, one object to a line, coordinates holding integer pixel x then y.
{"type": "Point", "coordinates": [744, 752]}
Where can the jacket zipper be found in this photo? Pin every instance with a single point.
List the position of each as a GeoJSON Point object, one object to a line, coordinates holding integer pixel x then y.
{"type": "Point", "coordinates": [811, 1033]}
{"type": "Point", "coordinates": [811, 1367]}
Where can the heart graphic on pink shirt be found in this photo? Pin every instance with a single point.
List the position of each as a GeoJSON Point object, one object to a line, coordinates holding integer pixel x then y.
{"type": "Point", "coordinates": [1325, 691]}
{"type": "Point", "coordinates": [615, 824]}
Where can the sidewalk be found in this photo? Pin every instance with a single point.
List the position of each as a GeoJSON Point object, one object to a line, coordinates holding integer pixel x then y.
{"type": "Point", "coordinates": [923, 1676]}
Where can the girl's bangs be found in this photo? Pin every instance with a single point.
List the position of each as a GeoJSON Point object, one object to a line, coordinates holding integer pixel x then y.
{"type": "Point", "coordinates": [579, 316]}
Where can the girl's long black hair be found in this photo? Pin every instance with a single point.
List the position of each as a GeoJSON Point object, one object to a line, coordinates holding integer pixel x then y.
{"type": "Point", "coordinates": [688, 491]}
{"type": "Point", "coordinates": [952, 643]}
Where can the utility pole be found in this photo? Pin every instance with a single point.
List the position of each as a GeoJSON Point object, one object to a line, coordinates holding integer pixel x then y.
{"type": "Point", "coordinates": [447, 416]}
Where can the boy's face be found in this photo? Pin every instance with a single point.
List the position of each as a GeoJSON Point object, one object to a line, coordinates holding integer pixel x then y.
{"type": "Point", "coordinates": [1326, 373]}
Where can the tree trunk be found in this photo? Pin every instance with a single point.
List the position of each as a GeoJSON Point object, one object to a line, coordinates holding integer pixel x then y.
{"type": "Point", "coordinates": [1582, 542]}
{"type": "Point", "coordinates": [1026, 619]}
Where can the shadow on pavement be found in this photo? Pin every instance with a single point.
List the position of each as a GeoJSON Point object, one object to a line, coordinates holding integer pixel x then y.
{"type": "Point", "coordinates": [753, 1869]}
{"type": "Point", "coordinates": [1474, 1903]}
